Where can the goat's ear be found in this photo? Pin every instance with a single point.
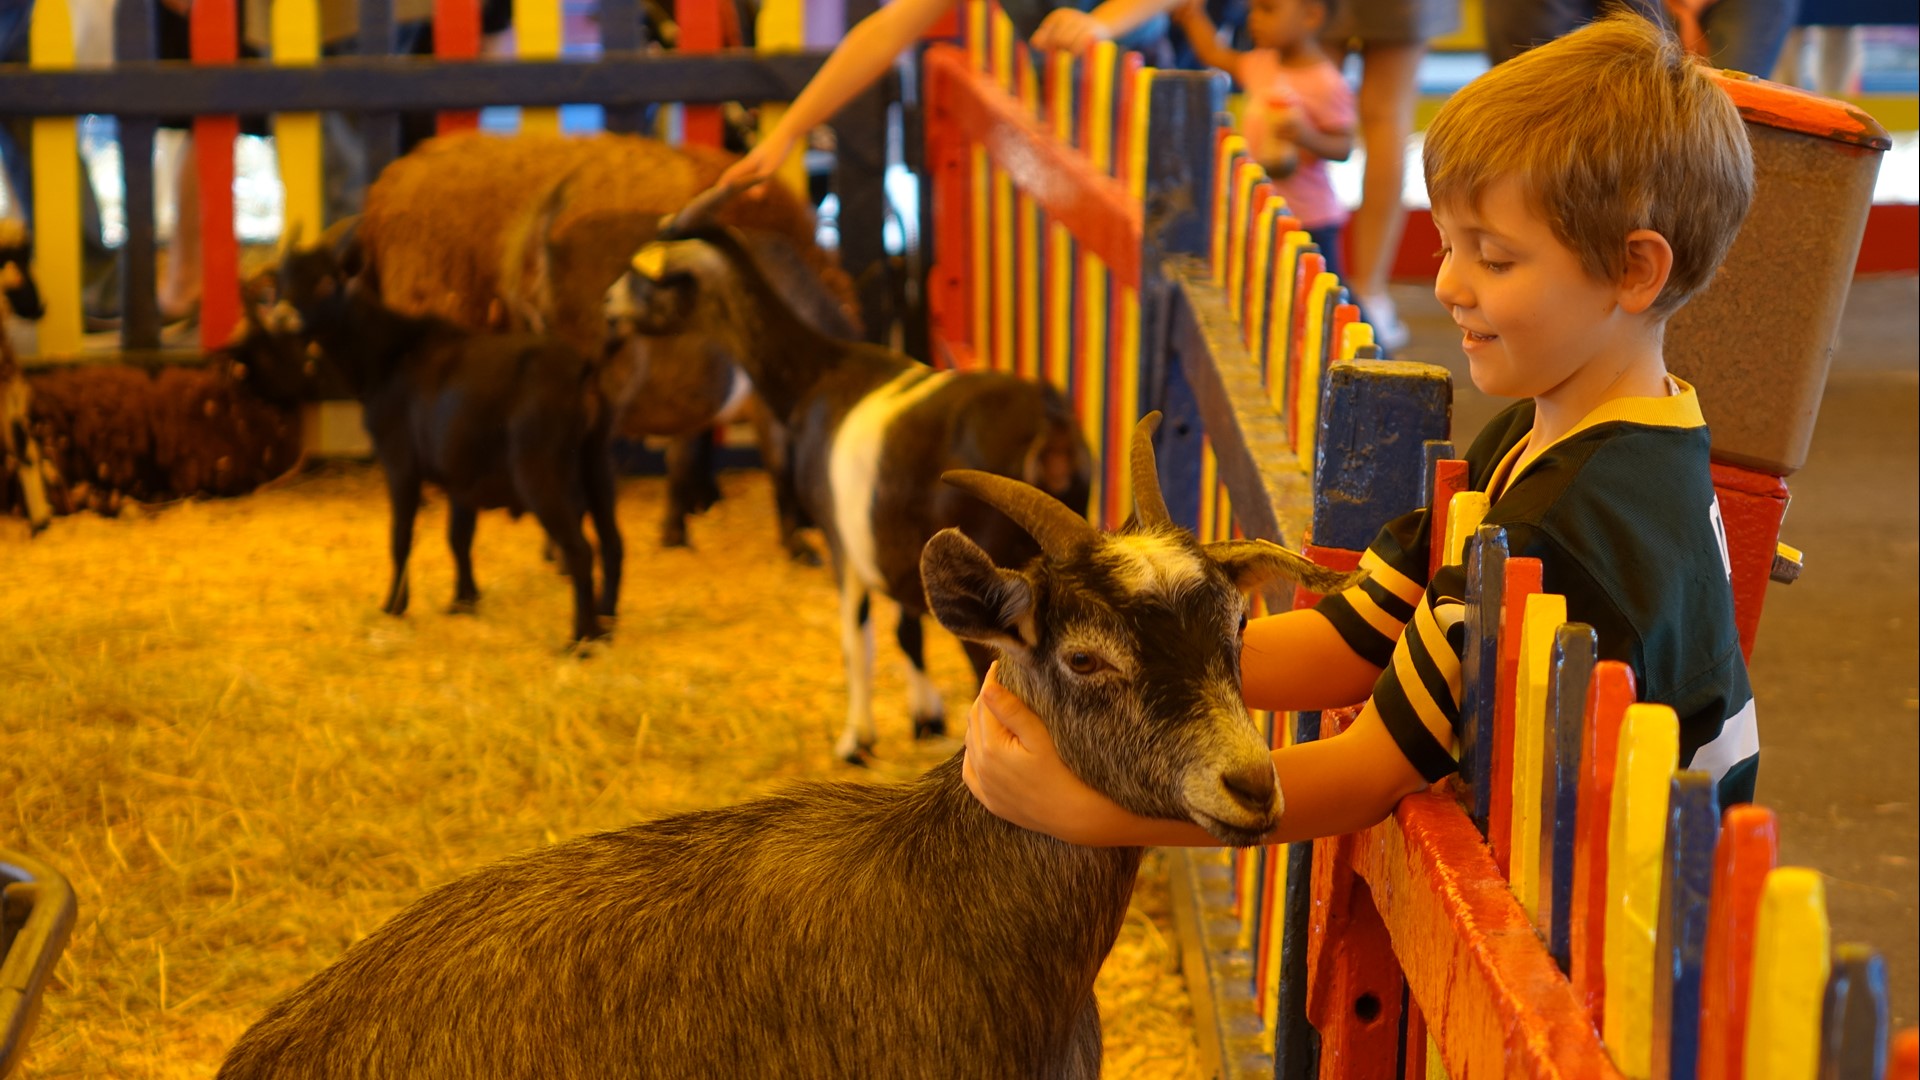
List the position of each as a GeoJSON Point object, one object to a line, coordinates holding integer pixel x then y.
{"type": "Point", "coordinates": [975, 599]}
{"type": "Point", "coordinates": [1252, 563]}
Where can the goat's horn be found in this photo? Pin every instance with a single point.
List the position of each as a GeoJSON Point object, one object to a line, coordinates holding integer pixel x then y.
{"type": "Point", "coordinates": [1058, 530]}
{"type": "Point", "coordinates": [1149, 506]}
{"type": "Point", "coordinates": [290, 242]}
{"type": "Point", "coordinates": [696, 213]}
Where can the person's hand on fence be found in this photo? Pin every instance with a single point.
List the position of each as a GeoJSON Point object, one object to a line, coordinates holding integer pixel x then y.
{"type": "Point", "coordinates": [1071, 30]}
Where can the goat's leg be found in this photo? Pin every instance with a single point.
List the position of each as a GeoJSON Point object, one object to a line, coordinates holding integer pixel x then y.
{"type": "Point", "coordinates": [403, 494]}
{"type": "Point", "coordinates": [856, 646]}
{"type": "Point", "coordinates": [690, 485]}
{"type": "Point", "coordinates": [776, 455]}
{"type": "Point", "coordinates": [460, 522]}
{"type": "Point", "coordinates": [601, 494]}
{"type": "Point", "coordinates": [550, 485]}
{"type": "Point", "coordinates": [929, 712]}
{"type": "Point", "coordinates": [1082, 1059]}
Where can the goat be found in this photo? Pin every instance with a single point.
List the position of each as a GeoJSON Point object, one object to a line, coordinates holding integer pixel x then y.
{"type": "Point", "coordinates": [496, 420]}
{"type": "Point", "coordinates": [845, 929]}
{"type": "Point", "coordinates": [871, 431]}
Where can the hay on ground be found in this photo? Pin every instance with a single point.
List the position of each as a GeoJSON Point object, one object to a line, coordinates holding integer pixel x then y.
{"type": "Point", "coordinates": [243, 767]}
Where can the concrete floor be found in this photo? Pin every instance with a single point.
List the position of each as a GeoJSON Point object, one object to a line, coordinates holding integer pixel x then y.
{"type": "Point", "coordinates": [1836, 668]}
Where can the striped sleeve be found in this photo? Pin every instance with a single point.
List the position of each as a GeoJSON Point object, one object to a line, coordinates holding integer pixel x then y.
{"type": "Point", "coordinates": [1370, 616]}
{"type": "Point", "coordinates": [1418, 692]}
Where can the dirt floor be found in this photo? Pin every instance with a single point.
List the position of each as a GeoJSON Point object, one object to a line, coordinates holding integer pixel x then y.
{"type": "Point", "coordinates": [1837, 662]}
{"type": "Point", "coordinates": [243, 767]}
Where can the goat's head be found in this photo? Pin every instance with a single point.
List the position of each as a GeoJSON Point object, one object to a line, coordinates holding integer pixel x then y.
{"type": "Point", "coordinates": [693, 285]}
{"type": "Point", "coordinates": [274, 355]}
{"type": "Point", "coordinates": [1128, 643]}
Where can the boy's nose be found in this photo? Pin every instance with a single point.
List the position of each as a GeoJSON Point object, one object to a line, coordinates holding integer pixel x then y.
{"type": "Point", "coordinates": [1449, 289]}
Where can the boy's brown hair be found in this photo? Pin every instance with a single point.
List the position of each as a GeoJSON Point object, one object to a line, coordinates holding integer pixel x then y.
{"type": "Point", "coordinates": [1612, 128]}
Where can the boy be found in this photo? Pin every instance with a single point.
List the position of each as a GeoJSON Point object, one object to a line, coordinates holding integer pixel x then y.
{"type": "Point", "coordinates": [1583, 192]}
{"type": "Point", "coordinates": [1299, 111]}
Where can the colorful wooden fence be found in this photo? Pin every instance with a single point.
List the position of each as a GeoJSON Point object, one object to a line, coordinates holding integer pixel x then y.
{"type": "Point", "coordinates": [1047, 260]}
{"type": "Point", "coordinates": [1573, 904]}
{"type": "Point", "coordinates": [296, 85]}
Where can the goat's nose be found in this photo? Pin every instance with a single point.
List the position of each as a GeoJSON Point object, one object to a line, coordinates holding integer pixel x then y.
{"type": "Point", "coordinates": [1251, 786]}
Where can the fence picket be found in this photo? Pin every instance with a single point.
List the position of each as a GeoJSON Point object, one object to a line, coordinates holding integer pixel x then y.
{"type": "Point", "coordinates": [1522, 581]}
{"type": "Point", "coordinates": [1693, 825]}
{"type": "Point", "coordinates": [1791, 962]}
{"type": "Point", "coordinates": [1541, 621]}
{"type": "Point", "coordinates": [1575, 651]}
{"type": "Point", "coordinates": [1749, 847]}
{"type": "Point", "coordinates": [1486, 579]}
{"type": "Point", "coordinates": [1649, 752]}
{"type": "Point", "coordinates": [57, 176]}
{"type": "Point", "coordinates": [1608, 697]}
{"type": "Point", "coordinates": [1853, 1017]}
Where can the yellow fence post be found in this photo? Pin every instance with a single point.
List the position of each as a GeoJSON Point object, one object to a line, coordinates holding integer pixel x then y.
{"type": "Point", "coordinates": [56, 189]}
{"type": "Point", "coordinates": [296, 136]}
{"type": "Point", "coordinates": [782, 27]}
{"type": "Point", "coordinates": [536, 36]}
{"type": "Point", "coordinates": [1637, 839]}
{"type": "Point", "coordinates": [1544, 614]}
{"type": "Point", "coordinates": [1791, 960]}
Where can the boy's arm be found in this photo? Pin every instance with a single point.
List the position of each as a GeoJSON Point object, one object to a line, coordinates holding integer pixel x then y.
{"type": "Point", "coordinates": [867, 51]}
{"type": "Point", "coordinates": [1296, 660]}
{"type": "Point", "coordinates": [1205, 38]}
{"type": "Point", "coordinates": [1331, 786]}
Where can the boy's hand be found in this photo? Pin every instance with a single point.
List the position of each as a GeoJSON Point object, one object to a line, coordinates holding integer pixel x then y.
{"type": "Point", "coordinates": [1011, 767]}
{"type": "Point", "coordinates": [1074, 31]}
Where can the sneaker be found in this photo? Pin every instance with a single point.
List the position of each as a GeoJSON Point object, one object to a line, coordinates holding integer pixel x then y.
{"type": "Point", "coordinates": [1388, 331]}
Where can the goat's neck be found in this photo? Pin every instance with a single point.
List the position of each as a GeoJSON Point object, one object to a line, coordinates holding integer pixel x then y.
{"type": "Point", "coordinates": [365, 338]}
{"type": "Point", "coordinates": [785, 356]}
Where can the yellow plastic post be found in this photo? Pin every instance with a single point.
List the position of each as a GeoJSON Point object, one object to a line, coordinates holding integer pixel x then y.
{"type": "Point", "coordinates": [1280, 324]}
{"type": "Point", "coordinates": [1465, 511]}
{"type": "Point", "coordinates": [1095, 300]}
{"type": "Point", "coordinates": [1027, 217]}
{"type": "Point", "coordinates": [536, 36]}
{"type": "Point", "coordinates": [1060, 254]}
{"type": "Point", "coordinates": [1132, 173]}
{"type": "Point", "coordinates": [1636, 842]}
{"type": "Point", "coordinates": [1307, 402]}
{"type": "Point", "coordinates": [1252, 330]}
{"type": "Point", "coordinates": [56, 189]}
{"type": "Point", "coordinates": [782, 27]}
{"type": "Point", "coordinates": [1222, 181]}
{"type": "Point", "coordinates": [1001, 60]}
{"type": "Point", "coordinates": [1791, 961]}
{"type": "Point", "coordinates": [1245, 178]}
{"type": "Point", "coordinates": [295, 40]}
{"type": "Point", "coordinates": [1353, 337]}
{"type": "Point", "coordinates": [1544, 614]}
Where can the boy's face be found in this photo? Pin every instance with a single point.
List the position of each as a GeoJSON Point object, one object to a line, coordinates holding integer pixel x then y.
{"type": "Point", "coordinates": [1531, 316]}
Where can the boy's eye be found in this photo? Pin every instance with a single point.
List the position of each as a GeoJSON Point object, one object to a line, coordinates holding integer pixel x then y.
{"type": "Point", "coordinates": [1496, 267]}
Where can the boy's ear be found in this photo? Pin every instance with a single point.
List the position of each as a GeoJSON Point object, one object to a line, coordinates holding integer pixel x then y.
{"type": "Point", "coordinates": [1649, 264]}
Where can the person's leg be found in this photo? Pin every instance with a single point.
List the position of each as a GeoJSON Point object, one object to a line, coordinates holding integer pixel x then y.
{"type": "Point", "coordinates": [1388, 91]}
{"type": "Point", "coordinates": [180, 281]}
{"type": "Point", "coordinates": [1747, 35]}
{"type": "Point", "coordinates": [1327, 239]}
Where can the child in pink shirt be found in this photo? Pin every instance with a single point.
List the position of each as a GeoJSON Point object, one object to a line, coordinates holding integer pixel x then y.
{"type": "Point", "coordinates": [1299, 111]}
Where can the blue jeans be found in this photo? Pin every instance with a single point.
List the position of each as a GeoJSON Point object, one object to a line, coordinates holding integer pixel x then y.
{"type": "Point", "coordinates": [16, 135]}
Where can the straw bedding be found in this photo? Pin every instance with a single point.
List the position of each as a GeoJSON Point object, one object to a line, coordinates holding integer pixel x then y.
{"type": "Point", "coordinates": [243, 767]}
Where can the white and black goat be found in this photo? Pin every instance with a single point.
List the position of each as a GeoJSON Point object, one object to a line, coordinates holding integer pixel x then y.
{"type": "Point", "coordinates": [871, 432]}
{"type": "Point", "coordinates": [843, 929]}
{"type": "Point", "coordinates": [496, 420]}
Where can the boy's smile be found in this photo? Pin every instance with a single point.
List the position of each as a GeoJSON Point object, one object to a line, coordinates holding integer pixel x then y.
{"type": "Point", "coordinates": [1534, 323]}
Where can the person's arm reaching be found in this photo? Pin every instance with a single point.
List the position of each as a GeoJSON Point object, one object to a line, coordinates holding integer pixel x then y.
{"type": "Point", "coordinates": [1205, 38]}
{"type": "Point", "coordinates": [1331, 786]}
{"type": "Point", "coordinates": [867, 51]}
{"type": "Point", "coordinates": [1296, 661]}
{"type": "Point", "coordinates": [1074, 30]}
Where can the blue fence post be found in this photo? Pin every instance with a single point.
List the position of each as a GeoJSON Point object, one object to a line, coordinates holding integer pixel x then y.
{"type": "Point", "coordinates": [134, 42]}
{"type": "Point", "coordinates": [1575, 650]}
{"type": "Point", "coordinates": [1486, 584]}
{"type": "Point", "coordinates": [1686, 883]}
{"type": "Point", "coordinates": [1853, 1022]}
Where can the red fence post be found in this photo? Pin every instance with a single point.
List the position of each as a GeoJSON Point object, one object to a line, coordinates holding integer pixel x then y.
{"type": "Point", "coordinates": [215, 40]}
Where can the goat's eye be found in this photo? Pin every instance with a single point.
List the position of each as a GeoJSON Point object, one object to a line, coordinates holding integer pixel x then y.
{"type": "Point", "coordinates": [1243, 625]}
{"type": "Point", "coordinates": [1084, 663]}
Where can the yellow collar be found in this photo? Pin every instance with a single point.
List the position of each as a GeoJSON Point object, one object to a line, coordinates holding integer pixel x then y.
{"type": "Point", "coordinates": [1679, 409]}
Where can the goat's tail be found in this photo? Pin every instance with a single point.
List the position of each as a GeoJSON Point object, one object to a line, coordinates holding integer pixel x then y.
{"type": "Point", "coordinates": [527, 287]}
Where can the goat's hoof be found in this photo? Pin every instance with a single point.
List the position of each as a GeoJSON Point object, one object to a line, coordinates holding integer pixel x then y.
{"type": "Point", "coordinates": [671, 537]}
{"type": "Point", "coordinates": [929, 727]}
{"type": "Point", "coordinates": [463, 607]}
{"type": "Point", "coordinates": [802, 553]}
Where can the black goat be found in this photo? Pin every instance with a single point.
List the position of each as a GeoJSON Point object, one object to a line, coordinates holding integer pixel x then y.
{"type": "Point", "coordinates": [872, 430]}
{"type": "Point", "coordinates": [496, 420]}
